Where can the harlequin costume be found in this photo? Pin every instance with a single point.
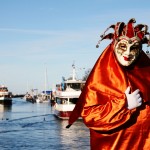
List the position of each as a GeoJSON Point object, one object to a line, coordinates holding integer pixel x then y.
{"type": "Point", "coordinates": [103, 103]}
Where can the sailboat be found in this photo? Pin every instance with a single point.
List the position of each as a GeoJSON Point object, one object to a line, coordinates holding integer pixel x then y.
{"type": "Point", "coordinates": [44, 96]}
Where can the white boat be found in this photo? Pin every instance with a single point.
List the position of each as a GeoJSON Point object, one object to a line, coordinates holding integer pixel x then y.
{"type": "Point", "coordinates": [41, 98]}
{"type": "Point", "coordinates": [67, 95]}
{"type": "Point", "coordinates": [44, 96]}
{"type": "Point", "coordinates": [5, 95]}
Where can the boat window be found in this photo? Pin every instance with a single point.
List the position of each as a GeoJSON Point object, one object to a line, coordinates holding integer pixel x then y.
{"type": "Point", "coordinates": [58, 101]}
{"type": "Point", "coordinates": [76, 86]}
{"type": "Point", "coordinates": [61, 100]}
{"type": "Point", "coordinates": [73, 100]}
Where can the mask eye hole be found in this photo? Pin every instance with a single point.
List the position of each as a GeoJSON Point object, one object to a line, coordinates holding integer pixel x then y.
{"type": "Point", "coordinates": [122, 46]}
{"type": "Point", "coordinates": [134, 49]}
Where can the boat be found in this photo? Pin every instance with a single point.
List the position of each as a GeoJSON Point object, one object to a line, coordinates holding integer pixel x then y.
{"type": "Point", "coordinates": [31, 96]}
{"type": "Point", "coordinates": [44, 96]}
{"type": "Point", "coordinates": [39, 98]}
{"type": "Point", "coordinates": [5, 95]}
{"type": "Point", "coordinates": [66, 96]}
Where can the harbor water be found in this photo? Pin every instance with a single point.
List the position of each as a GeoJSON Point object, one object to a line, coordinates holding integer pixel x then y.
{"type": "Point", "coordinates": [33, 126]}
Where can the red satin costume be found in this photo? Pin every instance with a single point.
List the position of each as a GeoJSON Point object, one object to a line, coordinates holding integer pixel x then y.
{"type": "Point", "coordinates": [103, 104]}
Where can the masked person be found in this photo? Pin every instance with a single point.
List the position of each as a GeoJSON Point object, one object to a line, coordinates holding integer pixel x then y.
{"type": "Point", "coordinates": [115, 101]}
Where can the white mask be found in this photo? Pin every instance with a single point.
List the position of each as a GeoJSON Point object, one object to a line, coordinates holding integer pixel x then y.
{"type": "Point", "coordinates": [127, 50]}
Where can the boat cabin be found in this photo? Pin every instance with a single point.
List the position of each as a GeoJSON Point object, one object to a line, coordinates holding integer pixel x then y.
{"type": "Point", "coordinates": [66, 100]}
{"type": "Point", "coordinates": [78, 85]}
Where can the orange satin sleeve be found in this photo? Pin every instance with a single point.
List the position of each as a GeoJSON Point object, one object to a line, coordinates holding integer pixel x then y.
{"type": "Point", "coordinates": [109, 116]}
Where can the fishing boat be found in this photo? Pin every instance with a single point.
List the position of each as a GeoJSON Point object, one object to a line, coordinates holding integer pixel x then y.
{"type": "Point", "coordinates": [5, 95]}
{"type": "Point", "coordinates": [31, 96]}
{"type": "Point", "coordinates": [66, 96]}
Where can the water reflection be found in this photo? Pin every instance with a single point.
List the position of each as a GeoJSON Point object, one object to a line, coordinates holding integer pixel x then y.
{"type": "Point", "coordinates": [77, 136]}
{"type": "Point", "coordinates": [29, 126]}
{"type": "Point", "coordinates": [4, 109]}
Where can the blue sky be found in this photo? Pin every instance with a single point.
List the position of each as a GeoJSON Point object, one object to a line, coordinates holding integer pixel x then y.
{"type": "Point", "coordinates": [52, 34]}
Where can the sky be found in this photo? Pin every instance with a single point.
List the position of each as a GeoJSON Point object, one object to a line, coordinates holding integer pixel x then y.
{"type": "Point", "coordinates": [39, 37]}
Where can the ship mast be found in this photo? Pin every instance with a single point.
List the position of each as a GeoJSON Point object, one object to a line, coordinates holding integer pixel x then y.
{"type": "Point", "coordinates": [73, 72]}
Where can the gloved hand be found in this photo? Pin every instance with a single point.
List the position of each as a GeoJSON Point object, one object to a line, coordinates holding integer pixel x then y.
{"type": "Point", "coordinates": [134, 99]}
